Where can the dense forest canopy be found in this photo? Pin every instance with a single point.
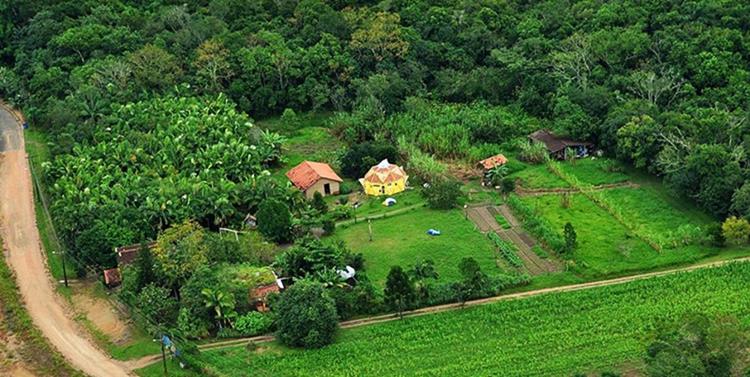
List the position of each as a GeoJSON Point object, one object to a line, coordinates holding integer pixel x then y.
{"type": "Point", "coordinates": [664, 85]}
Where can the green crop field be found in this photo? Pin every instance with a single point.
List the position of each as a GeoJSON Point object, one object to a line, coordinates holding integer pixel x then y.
{"type": "Point", "coordinates": [402, 240]}
{"type": "Point", "coordinates": [607, 327]}
{"type": "Point", "coordinates": [606, 247]}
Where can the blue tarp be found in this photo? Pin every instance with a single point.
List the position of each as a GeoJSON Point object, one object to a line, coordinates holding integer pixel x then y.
{"type": "Point", "coordinates": [433, 232]}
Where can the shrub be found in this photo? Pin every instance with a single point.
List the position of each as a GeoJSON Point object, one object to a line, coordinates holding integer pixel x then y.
{"type": "Point", "coordinates": [306, 316]}
{"type": "Point", "coordinates": [329, 226]}
{"type": "Point", "coordinates": [399, 291]}
{"type": "Point", "coordinates": [736, 230]}
{"type": "Point", "coordinates": [253, 323]}
{"type": "Point", "coordinates": [442, 194]}
{"type": "Point", "coordinates": [534, 152]}
{"type": "Point", "coordinates": [570, 238]}
{"type": "Point", "coordinates": [157, 305]}
{"type": "Point", "coordinates": [361, 157]}
{"type": "Point", "coordinates": [319, 203]}
{"type": "Point", "coordinates": [275, 220]}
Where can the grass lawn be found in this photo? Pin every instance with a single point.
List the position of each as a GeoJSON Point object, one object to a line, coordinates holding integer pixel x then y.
{"type": "Point", "coordinates": [607, 327]}
{"type": "Point", "coordinates": [311, 140]}
{"type": "Point", "coordinates": [596, 172]}
{"type": "Point", "coordinates": [605, 247]}
{"type": "Point", "coordinates": [373, 205]}
{"type": "Point", "coordinates": [402, 240]}
{"type": "Point", "coordinates": [538, 177]}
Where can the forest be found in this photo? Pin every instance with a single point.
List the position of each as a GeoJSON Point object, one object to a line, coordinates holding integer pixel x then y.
{"type": "Point", "coordinates": [167, 121]}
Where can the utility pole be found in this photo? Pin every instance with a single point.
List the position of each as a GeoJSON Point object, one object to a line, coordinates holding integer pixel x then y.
{"type": "Point", "coordinates": [65, 271]}
{"type": "Point", "coordinates": [164, 356]}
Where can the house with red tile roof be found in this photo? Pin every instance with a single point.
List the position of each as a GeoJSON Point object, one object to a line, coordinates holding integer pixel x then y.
{"type": "Point", "coordinates": [311, 177]}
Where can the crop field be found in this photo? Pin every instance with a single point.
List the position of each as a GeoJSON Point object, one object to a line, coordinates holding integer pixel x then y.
{"type": "Point", "coordinates": [607, 327]}
{"type": "Point", "coordinates": [605, 246]}
{"type": "Point", "coordinates": [402, 240]}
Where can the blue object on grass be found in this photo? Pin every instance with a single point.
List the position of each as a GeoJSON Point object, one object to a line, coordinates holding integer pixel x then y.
{"type": "Point", "coordinates": [433, 232]}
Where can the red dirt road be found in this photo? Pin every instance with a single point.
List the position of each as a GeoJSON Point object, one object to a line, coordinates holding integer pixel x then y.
{"type": "Point", "coordinates": [26, 259]}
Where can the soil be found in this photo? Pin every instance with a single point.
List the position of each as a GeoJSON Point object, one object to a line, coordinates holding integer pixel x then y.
{"type": "Point", "coordinates": [101, 313]}
{"type": "Point", "coordinates": [26, 259]}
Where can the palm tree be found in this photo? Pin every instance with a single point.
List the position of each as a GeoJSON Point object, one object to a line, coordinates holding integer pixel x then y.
{"type": "Point", "coordinates": [222, 304]}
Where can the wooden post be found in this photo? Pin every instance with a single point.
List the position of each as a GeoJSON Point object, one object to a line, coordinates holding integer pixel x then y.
{"type": "Point", "coordinates": [164, 357]}
{"type": "Point", "coordinates": [369, 227]}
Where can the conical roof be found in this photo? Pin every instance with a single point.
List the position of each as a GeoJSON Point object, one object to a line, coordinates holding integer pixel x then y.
{"type": "Point", "coordinates": [385, 172]}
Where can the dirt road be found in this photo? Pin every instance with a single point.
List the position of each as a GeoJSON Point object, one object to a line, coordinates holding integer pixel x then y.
{"type": "Point", "coordinates": [25, 257]}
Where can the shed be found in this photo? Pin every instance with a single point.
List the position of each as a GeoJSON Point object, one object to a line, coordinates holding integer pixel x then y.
{"type": "Point", "coordinates": [259, 295]}
{"type": "Point", "coordinates": [384, 179]}
{"type": "Point", "coordinates": [490, 163]}
{"type": "Point", "coordinates": [558, 147]}
{"type": "Point", "coordinates": [127, 254]}
{"type": "Point", "coordinates": [311, 177]}
{"type": "Point", "coordinates": [112, 277]}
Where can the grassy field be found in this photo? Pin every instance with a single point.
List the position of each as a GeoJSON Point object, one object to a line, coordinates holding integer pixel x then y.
{"type": "Point", "coordinates": [309, 140]}
{"type": "Point", "coordinates": [607, 327]}
{"type": "Point", "coordinates": [402, 240]}
{"type": "Point", "coordinates": [596, 172]}
{"type": "Point", "coordinates": [605, 247]}
{"type": "Point", "coordinates": [538, 177]}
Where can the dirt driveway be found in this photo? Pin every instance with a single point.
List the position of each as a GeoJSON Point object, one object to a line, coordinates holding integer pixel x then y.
{"type": "Point", "coordinates": [25, 257]}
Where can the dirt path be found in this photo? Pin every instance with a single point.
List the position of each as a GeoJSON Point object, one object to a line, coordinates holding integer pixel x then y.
{"type": "Point", "coordinates": [25, 257]}
{"type": "Point", "coordinates": [148, 360]}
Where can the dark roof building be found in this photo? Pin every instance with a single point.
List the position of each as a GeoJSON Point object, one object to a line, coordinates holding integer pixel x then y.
{"type": "Point", "coordinates": [557, 146]}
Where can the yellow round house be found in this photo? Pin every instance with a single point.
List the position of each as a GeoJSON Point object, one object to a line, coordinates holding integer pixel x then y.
{"type": "Point", "coordinates": [384, 179]}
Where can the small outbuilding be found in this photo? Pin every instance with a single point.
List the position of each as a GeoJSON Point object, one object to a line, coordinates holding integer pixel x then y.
{"type": "Point", "coordinates": [112, 277]}
{"type": "Point", "coordinates": [311, 177]}
{"type": "Point", "coordinates": [259, 295]}
{"type": "Point", "coordinates": [384, 179]}
{"type": "Point", "coordinates": [559, 147]}
{"type": "Point", "coordinates": [490, 163]}
{"type": "Point", "coordinates": [128, 254]}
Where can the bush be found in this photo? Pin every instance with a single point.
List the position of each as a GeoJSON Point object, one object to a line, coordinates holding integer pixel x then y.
{"type": "Point", "coordinates": [156, 304]}
{"type": "Point", "coordinates": [275, 220]}
{"type": "Point", "coordinates": [361, 157]}
{"type": "Point", "coordinates": [442, 194]}
{"type": "Point", "coordinates": [253, 323]}
{"type": "Point", "coordinates": [534, 153]}
{"type": "Point", "coordinates": [736, 230]}
{"type": "Point", "coordinates": [306, 316]}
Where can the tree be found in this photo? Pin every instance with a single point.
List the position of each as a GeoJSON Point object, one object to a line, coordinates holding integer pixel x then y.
{"type": "Point", "coordinates": [697, 346]}
{"type": "Point", "coordinates": [736, 230]}
{"type": "Point", "coordinates": [442, 193]}
{"type": "Point", "coordinates": [154, 68]}
{"type": "Point", "coordinates": [741, 201]}
{"type": "Point", "coordinates": [570, 238]}
{"type": "Point", "coordinates": [212, 65]}
{"type": "Point", "coordinates": [381, 37]}
{"type": "Point", "coordinates": [222, 305]}
{"type": "Point", "coordinates": [399, 291]}
{"type": "Point", "coordinates": [180, 250]}
{"type": "Point", "coordinates": [472, 276]}
{"type": "Point", "coordinates": [274, 220]}
{"type": "Point", "coordinates": [639, 141]}
{"type": "Point", "coordinates": [157, 305]}
{"type": "Point", "coordinates": [420, 273]}
{"type": "Point", "coordinates": [144, 263]}
{"type": "Point", "coordinates": [306, 316]}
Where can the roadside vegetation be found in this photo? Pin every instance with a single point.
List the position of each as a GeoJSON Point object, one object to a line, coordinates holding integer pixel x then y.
{"type": "Point", "coordinates": [29, 344]}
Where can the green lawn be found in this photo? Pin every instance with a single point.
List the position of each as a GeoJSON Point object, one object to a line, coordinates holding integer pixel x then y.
{"type": "Point", "coordinates": [402, 240]}
{"type": "Point", "coordinates": [596, 171]}
{"type": "Point", "coordinates": [538, 177]}
{"type": "Point", "coordinates": [607, 327]}
{"type": "Point", "coordinates": [605, 247]}
{"type": "Point", "coordinates": [373, 205]}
